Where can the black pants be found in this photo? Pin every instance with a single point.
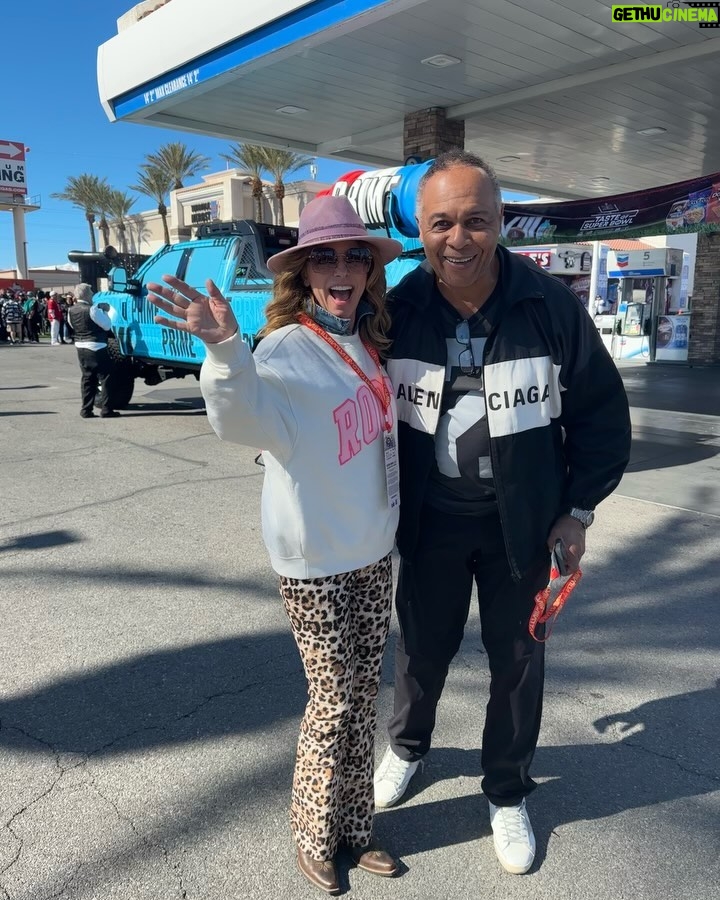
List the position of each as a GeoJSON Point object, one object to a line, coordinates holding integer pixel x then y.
{"type": "Point", "coordinates": [96, 366]}
{"type": "Point", "coordinates": [433, 601]}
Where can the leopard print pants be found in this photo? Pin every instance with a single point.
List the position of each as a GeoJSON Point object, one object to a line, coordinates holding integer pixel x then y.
{"type": "Point", "coordinates": [340, 625]}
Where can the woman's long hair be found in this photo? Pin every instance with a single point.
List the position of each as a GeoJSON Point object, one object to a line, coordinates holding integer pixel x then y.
{"type": "Point", "coordinates": [290, 294]}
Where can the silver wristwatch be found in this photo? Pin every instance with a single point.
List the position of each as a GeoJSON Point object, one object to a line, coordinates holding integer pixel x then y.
{"type": "Point", "coordinates": [584, 516]}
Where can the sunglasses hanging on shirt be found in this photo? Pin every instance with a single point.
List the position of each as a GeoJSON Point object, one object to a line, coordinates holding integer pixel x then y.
{"type": "Point", "coordinates": [466, 359]}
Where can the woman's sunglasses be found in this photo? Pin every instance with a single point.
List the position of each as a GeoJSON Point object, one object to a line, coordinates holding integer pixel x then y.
{"type": "Point", "coordinates": [325, 259]}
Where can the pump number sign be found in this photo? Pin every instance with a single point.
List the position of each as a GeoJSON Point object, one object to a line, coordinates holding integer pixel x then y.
{"type": "Point", "coordinates": [12, 167]}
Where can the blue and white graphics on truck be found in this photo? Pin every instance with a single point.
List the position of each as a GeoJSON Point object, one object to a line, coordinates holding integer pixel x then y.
{"type": "Point", "coordinates": [233, 254]}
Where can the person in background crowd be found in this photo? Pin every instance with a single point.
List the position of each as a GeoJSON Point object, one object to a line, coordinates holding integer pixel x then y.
{"type": "Point", "coordinates": [528, 432]}
{"type": "Point", "coordinates": [42, 299]}
{"type": "Point", "coordinates": [12, 314]}
{"type": "Point", "coordinates": [31, 319]}
{"type": "Point", "coordinates": [3, 330]}
{"type": "Point", "coordinates": [315, 397]}
{"type": "Point", "coordinates": [62, 303]}
{"type": "Point", "coordinates": [20, 297]}
{"type": "Point", "coordinates": [55, 317]}
{"type": "Point", "coordinates": [67, 329]}
{"type": "Point", "coordinates": [91, 325]}
{"type": "Point", "coordinates": [23, 297]}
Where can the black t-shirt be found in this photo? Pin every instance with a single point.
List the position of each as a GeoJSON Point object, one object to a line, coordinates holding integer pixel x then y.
{"type": "Point", "coordinates": [461, 480]}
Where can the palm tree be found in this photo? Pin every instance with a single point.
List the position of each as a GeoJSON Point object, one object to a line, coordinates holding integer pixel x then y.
{"type": "Point", "coordinates": [155, 183]}
{"type": "Point", "coordinates": [251, 159]}
{"type": "Point", "coordinates": [119, 206]}
{"type": "Point", "coordinates": [104, 199]}
{"type": "Point", "coordinates": [177, 161]}
{"type": "Point", "coordinates": [84, 192]}
{"type": "Point", "coordinates": [280, 163]}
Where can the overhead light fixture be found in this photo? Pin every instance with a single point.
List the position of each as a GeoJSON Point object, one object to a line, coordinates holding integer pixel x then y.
{"type": "Point", "coordinates": [655, 130]}
{"type": "Point", "coordinates": [440, 61]}
{"type": "Point", "coordinates": [600, 179]}
{"type": "Point", "coordinates": [508, 158]}
{"type": "Point", "coordinates": [291, 110]}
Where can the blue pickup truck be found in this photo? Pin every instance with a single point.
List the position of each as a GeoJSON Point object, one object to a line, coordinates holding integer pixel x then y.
{"type": "Point", "coordinates": [234, 255]}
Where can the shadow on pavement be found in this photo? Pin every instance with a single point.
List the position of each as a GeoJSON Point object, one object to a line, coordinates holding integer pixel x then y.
{"type": "Point", "coordinates": [189, 406]}
{"type": "Point", "coordinates": [39, 412]}
{"type": "Point", "coordinates": [586, 781]}
{"type": "Point", "coordinates": [151, 700]}
{"type": "Point", "coordinates": [673, 388]}
{"type": "Point", "coordinates": [635, 603]}
{"type": "Point", "coordinates": [681, 450]}
{"type": "Point", "coordinates": [41, 540]}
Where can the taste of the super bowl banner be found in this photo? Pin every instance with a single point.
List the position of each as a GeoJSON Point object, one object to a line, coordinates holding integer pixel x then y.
{"type": "Point", "coordinates": [685, 206]}
{"type": "Point", "coordinates": [385, 200]}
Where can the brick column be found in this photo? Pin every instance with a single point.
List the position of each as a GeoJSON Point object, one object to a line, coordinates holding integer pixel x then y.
{"type": "Point", "coordinates": [704, 343]}
{"type": "Point", "coordinates": [429, 132]}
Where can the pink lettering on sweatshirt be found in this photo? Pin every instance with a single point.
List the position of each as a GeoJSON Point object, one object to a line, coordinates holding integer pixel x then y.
{"type": "Point", "coordinates": [346, 419]}
{"type": "Point", "coordinates": [359, 421]}
{"type": "Point", "coordinates": [368, 404]}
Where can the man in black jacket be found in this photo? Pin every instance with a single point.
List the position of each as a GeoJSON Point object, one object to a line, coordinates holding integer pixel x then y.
{"type": "Point", "coordinates": [513, 426]}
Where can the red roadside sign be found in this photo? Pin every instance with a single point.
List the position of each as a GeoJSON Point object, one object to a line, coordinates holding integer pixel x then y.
{"type": "Point", "coordinates": [12, 167]}
{"type": "Point", "coordinates": [12, 150]}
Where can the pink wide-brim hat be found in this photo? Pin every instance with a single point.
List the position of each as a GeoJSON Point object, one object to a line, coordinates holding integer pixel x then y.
{"type": "Point", "coordinates": [326, 220]}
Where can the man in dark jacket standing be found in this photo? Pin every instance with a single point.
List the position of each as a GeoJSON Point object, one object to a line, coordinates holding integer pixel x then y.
{"type": "Point", "coordinates": [92, 327]}
{"type": "Point", "coordinates": [513, 426]}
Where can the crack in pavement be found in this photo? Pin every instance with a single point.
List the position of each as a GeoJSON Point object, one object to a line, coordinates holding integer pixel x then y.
{"type": "Point", "coordinates": [108, 501]}
{"type": "Point", "coordinates": [173, 867]}
{"type": "Point", "coordinates": [582, 699]}
{"type": "Point", "coordinates": [28, 805]}
{"type": "Point", "coordinates": [635, 745]}
{"type": "Point", "coordinates": [65, 886]}
{"type": "Point", "coordinates": [156, 448]}
{"type": "Point", "coordinates": [87, 757]}
{"type": "Point", "coordinates": [205, 701]}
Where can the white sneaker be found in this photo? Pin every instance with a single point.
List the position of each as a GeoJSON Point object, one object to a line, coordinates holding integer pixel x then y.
{"type": "Point", "coordinates": [513, 837]}
{"type": "Point", "coordinates": [392, 778]}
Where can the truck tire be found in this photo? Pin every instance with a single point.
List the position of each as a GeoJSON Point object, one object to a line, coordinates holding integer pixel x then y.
{"type": "Point", "coordinates": [121, 384]}
{"type": "Point", "coordinates": [114, 351]}
{"type": "Point", "coordinates": [121, 381]}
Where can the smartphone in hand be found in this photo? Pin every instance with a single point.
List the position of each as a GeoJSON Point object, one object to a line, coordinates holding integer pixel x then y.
{"type": "Point", "coordinates": [560, 555]}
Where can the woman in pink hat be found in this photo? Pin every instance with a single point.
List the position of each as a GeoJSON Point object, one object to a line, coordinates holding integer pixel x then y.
{"type": "Point", "coordinates": [315, 396]}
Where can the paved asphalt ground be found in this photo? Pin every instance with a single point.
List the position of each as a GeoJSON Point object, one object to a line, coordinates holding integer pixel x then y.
{"type": "Point", "coordinates": [150, 692]}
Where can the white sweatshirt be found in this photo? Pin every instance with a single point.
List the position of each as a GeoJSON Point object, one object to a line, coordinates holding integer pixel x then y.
{"type": "Point", "coordinates": [325, 508]}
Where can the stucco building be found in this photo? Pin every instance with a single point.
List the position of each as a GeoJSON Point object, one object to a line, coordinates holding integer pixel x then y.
{"type": "Point", "coordinates": [220, 196]}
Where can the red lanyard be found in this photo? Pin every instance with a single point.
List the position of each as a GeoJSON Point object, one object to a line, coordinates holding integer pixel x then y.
{"type": "Point", "coordinates": [383, 397]}
{"type": "Point", "coordinates": [542, 612]}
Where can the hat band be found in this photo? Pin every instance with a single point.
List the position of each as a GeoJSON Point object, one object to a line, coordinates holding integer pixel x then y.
{"type": "Point", "coordinates": [335, 232]}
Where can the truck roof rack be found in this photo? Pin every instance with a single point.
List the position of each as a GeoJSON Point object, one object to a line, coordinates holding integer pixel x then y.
{"type": "Point", "coordinates": [269, 239]}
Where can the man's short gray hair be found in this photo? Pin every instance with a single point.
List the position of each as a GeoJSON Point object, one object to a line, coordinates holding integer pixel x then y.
{"type": "Point", "coordinates": [84, 293]}
{"type": "Point", "coordinates": [451, 159]}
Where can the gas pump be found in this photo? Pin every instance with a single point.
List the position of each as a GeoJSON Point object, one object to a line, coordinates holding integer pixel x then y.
{"type": "Point", "coordinates": [633, 323]}
{"type": "Point", "coordinates": [643, 326]}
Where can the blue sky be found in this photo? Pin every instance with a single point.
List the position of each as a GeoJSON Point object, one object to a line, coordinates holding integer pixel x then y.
{"type": "Point", "coordinates": [52, 106]}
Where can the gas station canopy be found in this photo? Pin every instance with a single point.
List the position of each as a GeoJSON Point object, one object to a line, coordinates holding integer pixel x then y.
{"type": "Point", "coordinates": [560, 98]}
